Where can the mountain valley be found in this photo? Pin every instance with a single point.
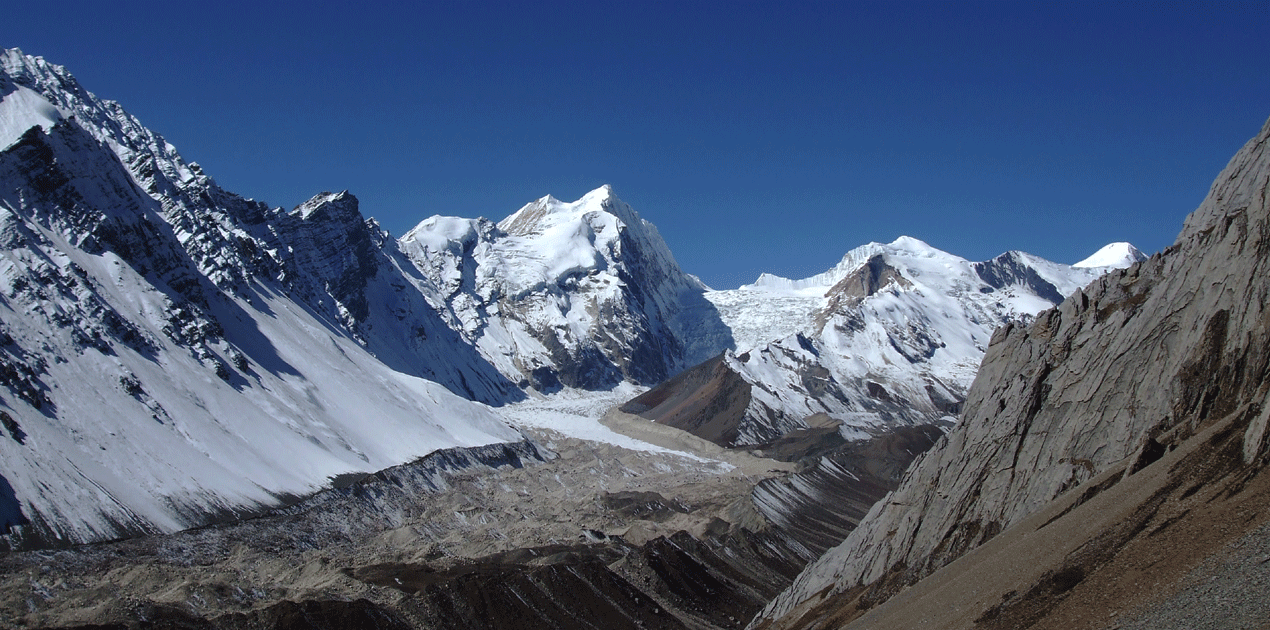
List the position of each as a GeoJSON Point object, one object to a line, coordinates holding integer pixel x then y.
{"type": "Point", "coordinates": [220, 414]}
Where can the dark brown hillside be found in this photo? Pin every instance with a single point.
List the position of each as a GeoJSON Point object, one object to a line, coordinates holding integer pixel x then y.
{"type": "Point", "coordinates": [708, 401]}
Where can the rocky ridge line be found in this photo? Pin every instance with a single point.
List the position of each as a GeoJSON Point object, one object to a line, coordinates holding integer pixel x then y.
{"type": "Point", "coordinates": [1130, 367]}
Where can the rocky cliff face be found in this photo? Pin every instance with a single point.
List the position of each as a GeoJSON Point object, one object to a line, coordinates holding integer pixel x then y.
{"type": "Point", "coordinates": [1123, 371]}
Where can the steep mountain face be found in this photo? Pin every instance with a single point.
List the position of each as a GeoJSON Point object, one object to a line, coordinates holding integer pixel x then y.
{"type": "Point", "coordinates": [173, 354]}
{"type": "Point", "coordinates": [322, 254]}
{"type": "Point", "coordinates": [891, 336]}
{"type": "Point", "coordinates": [1168, 355]}
{"type": "Point", "coordinates": [583, 294]}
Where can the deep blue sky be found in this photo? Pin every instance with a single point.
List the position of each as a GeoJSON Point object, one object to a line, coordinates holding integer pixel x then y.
{"type": "Point", "coordinates": [756, 136]}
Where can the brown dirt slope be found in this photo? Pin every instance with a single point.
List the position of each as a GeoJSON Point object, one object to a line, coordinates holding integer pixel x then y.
{"type": "Point", "coordinates": [1112, 551]}
{"type": "Point", "coordinates": [708, 401]}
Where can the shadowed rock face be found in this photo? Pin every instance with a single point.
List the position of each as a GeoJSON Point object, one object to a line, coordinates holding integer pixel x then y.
{"type": "Point", "coordinates": [1007, 269]}
{"type": "Point", "coordinates": [1136, 364]}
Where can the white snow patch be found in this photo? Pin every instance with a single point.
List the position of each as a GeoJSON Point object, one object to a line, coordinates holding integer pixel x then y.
{"type": "Point", "coordinates": [1115, 255]}
{"type": "Point", "coordinates": [22, 109]}
{"type": "Point", "coordinates": [577, 413]}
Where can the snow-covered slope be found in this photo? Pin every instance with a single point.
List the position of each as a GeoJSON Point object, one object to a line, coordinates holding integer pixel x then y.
{"type": "Point", "coordinates": [891, 335]}
{"type": "Point", "coordinates": [583, 294]}
{"type": "Point", "coordinates": [156, 318]}
{"type": "Point", "coordinates": [172, 353]}
{"type": "Point", "coordinates": [1115, 255]}
{"type": "Point", "coordinates": [323, 253]}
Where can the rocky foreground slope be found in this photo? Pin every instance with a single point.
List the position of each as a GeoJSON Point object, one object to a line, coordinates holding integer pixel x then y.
{"type": "Point", "coordinates": [1148, 386]}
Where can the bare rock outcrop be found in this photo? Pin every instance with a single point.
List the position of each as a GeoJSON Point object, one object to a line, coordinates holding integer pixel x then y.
{"type": "Point", "coordinates": [1126, 369]}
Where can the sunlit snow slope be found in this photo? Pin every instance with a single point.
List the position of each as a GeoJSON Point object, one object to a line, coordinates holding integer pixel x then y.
{"type": "Point", "coordinates": [172, 353]}
{"type": "Point", "coordinates": [1115, 255]}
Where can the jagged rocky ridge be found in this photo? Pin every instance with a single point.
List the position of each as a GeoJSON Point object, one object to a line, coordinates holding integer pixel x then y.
{"type": "Point", "coordinates": [323, 253]}
{"type": "Point", "coordinates": [175, 354]}
{"type": "Point", "coordinates": [1171, 354]}
{"type": "Point", "coordinates": [891, 336]}
{"type": "Point", "coordinates": [142, 398]}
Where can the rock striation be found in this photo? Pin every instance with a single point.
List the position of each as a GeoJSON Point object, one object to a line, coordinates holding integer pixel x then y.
{"type": "Point", "coordinates": [1119, 374]}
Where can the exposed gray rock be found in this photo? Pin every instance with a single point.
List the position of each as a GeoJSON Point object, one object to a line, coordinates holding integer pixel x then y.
{"type": "Point", "coordinates": [1138, 361]}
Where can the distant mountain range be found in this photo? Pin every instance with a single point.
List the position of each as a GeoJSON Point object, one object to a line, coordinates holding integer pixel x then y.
{"type": "Point", "coordinates": [892, 335]}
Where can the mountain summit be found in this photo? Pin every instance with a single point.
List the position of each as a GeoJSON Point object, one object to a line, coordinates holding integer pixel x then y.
{"type": "Point", "coordinates": [173, 354]}
{"type": "Point", "coordinates": [1117, 255]}
{"type": "Point", "coordinates": [583, 294]}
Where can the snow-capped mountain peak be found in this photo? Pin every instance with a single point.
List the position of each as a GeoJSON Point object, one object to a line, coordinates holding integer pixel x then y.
{"type": "Point", "coordinates": [327, 206]}
{"type": "Point", "coordinates": [891, 334]}
{"type": "Point", "coordinates": [914, 246]}
{"type": "Point", "coordinates": [1115, 256]}
{"type": "Point", "coordinates": [106, 120]}
{"type": "Point", "coordinates": [580, 294]}
{"type": "Point", "coordinates": [904, 246]}
{"type": "Point", "coordinates": [547, 212]}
